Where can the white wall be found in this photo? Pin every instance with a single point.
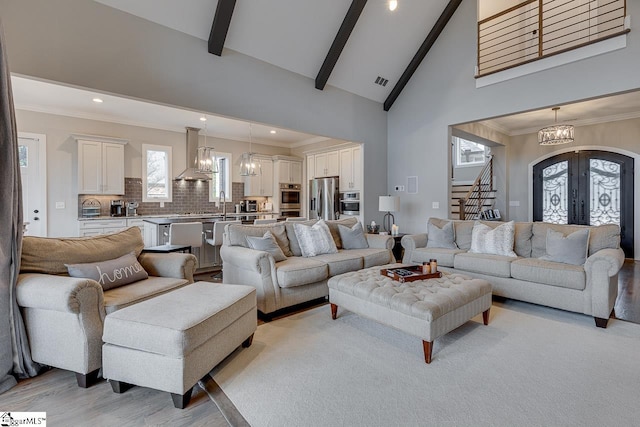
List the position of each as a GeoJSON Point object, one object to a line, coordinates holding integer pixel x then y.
{"type": "Point", "coordinates": [62, 157]}
{"type": "Point", "coordinates": [90, 45]}
{"type": "Point", "coordinates": [442, 92]}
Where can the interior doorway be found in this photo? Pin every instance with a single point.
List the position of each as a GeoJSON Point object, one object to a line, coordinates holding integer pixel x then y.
{"type": "Point", "coordinates": [588, 188]}
{"type": "Point", "coordinates": [32, 149]}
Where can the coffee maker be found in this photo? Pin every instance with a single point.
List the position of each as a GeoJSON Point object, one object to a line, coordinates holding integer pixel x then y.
{"type": "Point", "coordinates": [132, 208]}
{"type": "Point", "coordinates": [117, 208]}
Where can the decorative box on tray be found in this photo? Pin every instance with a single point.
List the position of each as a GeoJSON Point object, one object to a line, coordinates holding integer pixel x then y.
{"type": "Point", "coordinates": [409, 273]}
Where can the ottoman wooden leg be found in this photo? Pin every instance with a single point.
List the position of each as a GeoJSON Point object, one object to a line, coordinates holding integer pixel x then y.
{"type": "Point", "coordinates": [485, 316]}
{"type": "Point", "coordinates": [427, 346]}
{"type": "Point", "coordinates": [246, 343]}
{"type": "Point", "coordinates": [181, 401]}
{"type": "Point", "coordinates": [334, 311]}
{"type": "Point", "coordinates": [120, 386]}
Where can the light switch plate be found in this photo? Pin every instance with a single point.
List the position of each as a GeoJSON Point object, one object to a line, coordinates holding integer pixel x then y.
{"type": "Point", "coordinates": [435, 205]}
{"type": "Point", "coordinates": [59, 205]}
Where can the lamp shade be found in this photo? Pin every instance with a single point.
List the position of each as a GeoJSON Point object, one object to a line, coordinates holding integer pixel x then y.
{"type": "Point", "coordinates": [389, 203]}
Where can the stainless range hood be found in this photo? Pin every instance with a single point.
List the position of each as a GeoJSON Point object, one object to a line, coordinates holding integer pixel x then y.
{"type": "Point", "coordinates": [191, 173]}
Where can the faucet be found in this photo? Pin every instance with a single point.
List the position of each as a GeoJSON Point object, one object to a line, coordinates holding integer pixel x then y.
{"type": "Point", "coordinates": [224, 205]}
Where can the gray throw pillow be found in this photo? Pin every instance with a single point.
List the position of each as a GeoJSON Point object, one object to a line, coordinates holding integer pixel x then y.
{"type": "Point", "coordinates": [111, 273]}
{"type": "Point", "coordinates": [441, 237]}
{"type": "Point", "coordinates": [315, 240]}
{"type": "Point", "coordinates": [266, 243]}
{"type": "Point", "coordinates": [352, 237]}
{"type": "Point", "coordinates": [571, 249]}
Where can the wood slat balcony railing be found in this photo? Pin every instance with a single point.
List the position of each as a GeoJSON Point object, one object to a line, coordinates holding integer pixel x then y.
{"type": "Point", "coordinates": [536, 29]}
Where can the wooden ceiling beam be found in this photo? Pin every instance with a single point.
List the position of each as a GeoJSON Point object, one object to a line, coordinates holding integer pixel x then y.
{"type": "Point", "coordinates": [442, 21]}
{"type": "Point", "coordinates": [220, 26]}
{"type": "Point", "coordinates": [349, 22]}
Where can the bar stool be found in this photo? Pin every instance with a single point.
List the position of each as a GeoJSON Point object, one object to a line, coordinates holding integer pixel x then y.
{"type": "Point", "coordinates": [216, 239]}
{"type": "Point", "coordinates": [264, 221]}
{"type": "Point", "coordinates": [186, 233]}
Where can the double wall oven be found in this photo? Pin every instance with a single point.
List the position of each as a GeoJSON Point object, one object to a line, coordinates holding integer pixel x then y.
{"type": "Point", "coordinates": [290, 197]}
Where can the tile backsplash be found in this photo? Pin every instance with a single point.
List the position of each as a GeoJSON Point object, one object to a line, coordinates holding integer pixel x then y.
{"type": "Point", "coordinates": [188, 197]}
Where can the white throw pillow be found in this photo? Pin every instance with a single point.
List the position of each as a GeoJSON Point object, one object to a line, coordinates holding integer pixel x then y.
{"type": "Point", "coordinates": [315, 239]}
{"type": "Point", "coordinates": [496, 241]}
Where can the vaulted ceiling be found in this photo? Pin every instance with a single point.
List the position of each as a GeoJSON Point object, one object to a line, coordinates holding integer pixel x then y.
{"type": "Point", "coordinates": [297, 35]}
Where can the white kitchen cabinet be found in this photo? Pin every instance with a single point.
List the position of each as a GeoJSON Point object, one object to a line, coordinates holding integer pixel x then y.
{"type": "Point", "coordinates": [327, 164]}
{"type": "Point", "coordinates": [351, 169]}
{"type": "Point", "coordinates": [288, 172]}
{"type": "Point", "coordinates": [311, 167]}
{"type": "Point", "coordinates": [100, 165]}
{"type": "Point", "coordinates": [103, 226]}
{"type": "Point", "coordinates": [136, 222]}
{"type": "Point", "coordinates": [260, 184]}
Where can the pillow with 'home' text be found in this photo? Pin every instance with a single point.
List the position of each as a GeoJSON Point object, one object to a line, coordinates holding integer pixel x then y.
{"type": "Point", "coordinates": [112, 273]}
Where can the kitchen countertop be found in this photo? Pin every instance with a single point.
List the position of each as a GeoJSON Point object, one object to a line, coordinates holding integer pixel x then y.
{"type": "Point", "coordinates": [181, 217]}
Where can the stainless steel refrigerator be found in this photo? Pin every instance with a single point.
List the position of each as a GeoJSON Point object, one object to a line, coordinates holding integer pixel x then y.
{"type": "Point", "coordinates": [324, 198]}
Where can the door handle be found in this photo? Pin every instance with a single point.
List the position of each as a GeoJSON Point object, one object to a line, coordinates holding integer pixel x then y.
{"type": "Point", "coordinates": [575, 214]}
{"type": "Point", "coordinates": [35, 218]}
{"type": "Point", "coordinates": [582, 209]}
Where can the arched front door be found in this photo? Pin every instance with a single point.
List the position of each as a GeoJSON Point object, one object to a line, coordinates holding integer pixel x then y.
{"type": "Point", "coordinates": [586, 187]}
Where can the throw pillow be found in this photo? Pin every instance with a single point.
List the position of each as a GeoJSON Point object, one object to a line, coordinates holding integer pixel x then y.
{"type": "Point", "coordinates": [315, 239]}
{"type": "Point", "coordinates": [441, 237]}
{"type": "Point", "coordinates": [352, 237]}
{"type": "Point", "coordinates": [571, 249]}
{"type": "Point", "coordinates": [111, 273]}
{"type": "Point", "coordinates": [497, 241]}
{"type": "Point", "coordinates": [266, 243]}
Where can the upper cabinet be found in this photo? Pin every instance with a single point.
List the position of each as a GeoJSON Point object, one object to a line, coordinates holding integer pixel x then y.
{"type": "Point", "coordinates": [326, 164]}
{"type": "Point", "coordinates": [260, 184]}
{"type": "Point", "coordinates": [100, 164]}
{"type": "Point", "coordinates": [287, 171]}
{"type": "Point", "coordinates": [351, 169]}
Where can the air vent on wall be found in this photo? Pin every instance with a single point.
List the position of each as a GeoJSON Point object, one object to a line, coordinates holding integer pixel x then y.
{"type": "Point", "coordinates": [381, 81]}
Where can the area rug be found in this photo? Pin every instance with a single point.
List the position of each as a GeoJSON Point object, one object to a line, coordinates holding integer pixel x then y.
{"type": "Point", "coordinates": [531, 366]}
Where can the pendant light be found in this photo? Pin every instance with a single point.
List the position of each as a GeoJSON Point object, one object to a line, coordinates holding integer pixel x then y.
{"type": "Point", "coordinates": [206, 161]}
{"type": "Point", "coordinates": [247, 161]}
{"type": "Point", "coordinates": [556, 134]}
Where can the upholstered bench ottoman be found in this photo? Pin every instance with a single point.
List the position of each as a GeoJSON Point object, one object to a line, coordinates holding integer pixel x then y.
{"type": "Point", "coordinates": [426, 309]}
{"type": "Point", "coordinates": [173, 340]}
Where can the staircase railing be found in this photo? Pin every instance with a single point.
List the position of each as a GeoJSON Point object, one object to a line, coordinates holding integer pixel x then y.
{"type": "Point", "coordinates": [472, 203]}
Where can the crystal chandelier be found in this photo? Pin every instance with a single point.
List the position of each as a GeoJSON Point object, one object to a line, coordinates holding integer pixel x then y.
{"type": "Point", "coordinates": [206, 161]}
{"type": "Point", "coordinates": [556, 134]}
{"type": "Point", "coordinates": [247, 161]}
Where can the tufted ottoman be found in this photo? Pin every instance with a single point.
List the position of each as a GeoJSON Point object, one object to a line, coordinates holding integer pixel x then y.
{"type": "Point", "coordinates": [171, 341]}
{"type": "Point", "coordinates": [425, 308]}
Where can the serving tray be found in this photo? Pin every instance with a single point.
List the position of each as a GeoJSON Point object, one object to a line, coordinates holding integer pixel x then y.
{"type": "Point", "coordinates": [409, 273]}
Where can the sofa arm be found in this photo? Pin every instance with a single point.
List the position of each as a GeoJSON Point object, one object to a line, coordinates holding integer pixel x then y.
{"type": "Point", "coordinates": [602, 270]}
{"type": "Point", "coordinates": [176, 265]}
{"type": "Point", "coordinates": [59, 293]}
{"type": "Point", "coordinates": [376, 241]}
{"type": "Point", "coordinates": [410, 242]}
{"type": "Point", "coordinates": [244, 266]}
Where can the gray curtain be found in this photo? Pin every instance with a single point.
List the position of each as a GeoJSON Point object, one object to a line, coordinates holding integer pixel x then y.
{"type": "Point", "coordinates": [15, 358]}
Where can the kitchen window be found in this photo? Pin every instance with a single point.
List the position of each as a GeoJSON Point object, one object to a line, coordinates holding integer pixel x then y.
{"type": "Point", "coordinates": [156, 173]}
{"type": "Point", "coordinates": [221, 181]}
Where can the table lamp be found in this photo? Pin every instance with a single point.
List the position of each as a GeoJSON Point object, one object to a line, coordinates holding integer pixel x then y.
{"type": "Point", "coordinates": [388, 204]}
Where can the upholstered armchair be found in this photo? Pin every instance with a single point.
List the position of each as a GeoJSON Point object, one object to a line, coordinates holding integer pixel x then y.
{"type": "Point", "coordinates": [64, 315]}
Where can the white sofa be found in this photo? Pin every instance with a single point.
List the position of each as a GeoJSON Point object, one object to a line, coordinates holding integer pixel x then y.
{"type": "Point", "coordinates": [64, 316]}
{"type": "Point", "coordinates": [590, 289]}
{"type": "Point", "coordinates": [296, 279]}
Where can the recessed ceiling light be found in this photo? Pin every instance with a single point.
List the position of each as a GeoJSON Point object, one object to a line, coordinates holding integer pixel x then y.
{"type": "Point", "coordinates": [97, 100]}
{"type": "Point", "coordinates": [393, 4]}
{"type": "Point", "coordinates": [203, 119]}
{"type": "Point", "coordinates": [272, 132]}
